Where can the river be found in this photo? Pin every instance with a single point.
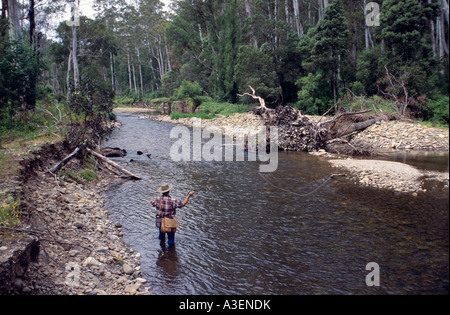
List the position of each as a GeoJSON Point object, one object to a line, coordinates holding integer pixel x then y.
{"type": "Point", "coordinates": [291, 232]}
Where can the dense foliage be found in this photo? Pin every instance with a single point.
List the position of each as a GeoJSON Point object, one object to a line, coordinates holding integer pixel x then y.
{"type": "Point", "coordinates": [311, 54]}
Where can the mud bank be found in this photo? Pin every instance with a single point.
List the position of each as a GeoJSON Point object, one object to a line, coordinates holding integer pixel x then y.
{"type": "Point", "coordinates": [66, 244]}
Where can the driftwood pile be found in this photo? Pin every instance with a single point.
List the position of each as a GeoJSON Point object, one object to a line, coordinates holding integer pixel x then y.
{"type": "Point", "coordinates": [299, 133]}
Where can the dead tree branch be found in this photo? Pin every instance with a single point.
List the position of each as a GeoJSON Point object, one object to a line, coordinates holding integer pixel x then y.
{"type": "Point", "coordinates": [115, 165]}
{"type": "Point", "coordinates": [58, 166]}
{"type": "Point", "coordinates": [261, 101]}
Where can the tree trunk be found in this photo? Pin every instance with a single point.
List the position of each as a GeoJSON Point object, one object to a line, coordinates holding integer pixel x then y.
{"type": "Point", "coordinates": [31, 17]}
{"type": "Point", "coordinates": [129, 72]}
{"type": "Point", "coordinates": [76, 70]}
{"type": "Point", "coordinates": [111, 63]}
{"type": "Point", "coordinates": [442, 31]}
{"type": "Point", "coordinates": [169, 64]}
{"type": "Point", "coordinates": [66, 160]}
{"type": "Point", "coordinates": [298, 23]}
{"type": "Point", "coordinates": [348, 129]}
{"type": "Point", "coordinates": [248, 10]}
{"type": "Point", "coordinates": [4, 9]}
{"type": "Point", "coordinates": [136, 91]}
{"type": "Point", "coordinates": [30, 98]}
{"type": "Point", "coordinates": [115, 165]}
{"type": "Point", "coordinates": [14, 20]}
{"type": "Point", "coordinates": [444, 9]}
{"type": "Point", "coordinates": [320, 9]}
{"type": "Point", "coordinates": [4, 23]}
{"type": "Point", "coordinates": [69, 69]}
{"type": "Point", "coordinates": [366, 27]}
{"type": "Point", "coordinates": [433, 36]}
{"type": "Point", "coordinates": [140, 69]}
{"type": "Point", "coordinates": [163, 66]}
{"type": "Point", "coordinates": [286, 12]}
{"type": "Point", "coordinates": [116, 81]}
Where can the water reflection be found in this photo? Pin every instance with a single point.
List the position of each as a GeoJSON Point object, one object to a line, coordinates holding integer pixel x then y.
{"type": "Point", "coordinates": [168, 261]}
{"type": "Point", "coordinates": [291, 232]}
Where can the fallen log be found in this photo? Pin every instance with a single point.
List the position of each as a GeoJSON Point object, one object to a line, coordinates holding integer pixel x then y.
{"type": "Point", "coordinates": [345, 130]}
{"type": "Point", "coordinates": [66, 160]}
{"type": "Point", "coordinates": [115, 165]}
{"type": "Point", "coordinates": [299, 133]}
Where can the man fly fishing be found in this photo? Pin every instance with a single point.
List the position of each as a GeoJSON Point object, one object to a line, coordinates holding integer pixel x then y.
{"type": "Point", "coordinates": [166, 206]}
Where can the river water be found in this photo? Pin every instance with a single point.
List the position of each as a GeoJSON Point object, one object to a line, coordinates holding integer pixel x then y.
{"type": "Point", "coordinates": [291, 232]}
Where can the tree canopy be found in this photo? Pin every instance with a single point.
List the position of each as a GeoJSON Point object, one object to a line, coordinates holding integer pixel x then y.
{"type": "Point", "coordinates": [306, 53]}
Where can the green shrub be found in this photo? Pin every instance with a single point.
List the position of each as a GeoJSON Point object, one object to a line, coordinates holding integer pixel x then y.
{"type": "Point", "coordinates": [187, 90]}
{"type": "Point", "coordinates": [89, 175]}
{"type": "Point", "coordinates": [440, 110]}
{"type": "Point", "coordinates": [358, 88]}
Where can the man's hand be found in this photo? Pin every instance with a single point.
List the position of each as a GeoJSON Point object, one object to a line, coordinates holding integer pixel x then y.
{"type": "Point", "coordinates": [188, 196]}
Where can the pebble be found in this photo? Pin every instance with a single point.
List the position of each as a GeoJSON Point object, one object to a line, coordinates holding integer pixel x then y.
{"type": "Point", "coordinates": [402, 135]}
{"type": "Point", "coordinates": [98, 262]}
{"type": "Point", "coordinates": [127, 269]}
{"type": "Point", "coordinates": [395, 176]}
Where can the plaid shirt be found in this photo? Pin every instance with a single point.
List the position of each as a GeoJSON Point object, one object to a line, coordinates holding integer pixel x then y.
{"type": "Point", "coordinates": [168, 205]}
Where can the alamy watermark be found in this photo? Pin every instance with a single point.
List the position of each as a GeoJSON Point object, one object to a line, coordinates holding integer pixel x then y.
{"type": "Point", "coordinates": [373, 277]}
{"type": "Point", "coordinates": [74, 14]}
{"type": "Point", "coordinates": [372, 14]}
{"type": "Point", "coordinates": [229, 145]}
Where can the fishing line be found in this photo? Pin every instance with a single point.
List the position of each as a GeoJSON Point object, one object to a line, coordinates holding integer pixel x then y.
{"type": "Point", "coordinates": [294, 193]}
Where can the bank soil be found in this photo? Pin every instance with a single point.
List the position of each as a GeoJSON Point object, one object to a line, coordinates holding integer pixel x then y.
{"type": "Point", "coordinates": [66, 243]}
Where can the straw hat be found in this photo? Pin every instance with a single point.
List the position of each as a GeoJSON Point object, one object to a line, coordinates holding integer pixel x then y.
{"type": "Point", "coordinates": [164, 188]}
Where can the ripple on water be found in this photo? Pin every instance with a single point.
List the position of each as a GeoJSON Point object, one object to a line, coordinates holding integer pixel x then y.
{"type": "Point", "coordinates": [246, 234]}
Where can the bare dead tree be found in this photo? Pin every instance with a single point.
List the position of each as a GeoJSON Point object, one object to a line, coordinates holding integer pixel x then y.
{"type": "Point", "coordinates": [261, 101]}
{"type": "Point", "coordinates": [394, 91]}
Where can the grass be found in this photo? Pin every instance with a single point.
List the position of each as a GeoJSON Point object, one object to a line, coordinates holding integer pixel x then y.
{"type": "Point", "coordinates": [10, 212]}
{"type": "Point", "coordinates": [89, 175]}
{"type": "Point", "coordinates": [86, 174]}
{"type": "Point", "coordinates": [176, 115]}
{"type": "Point", "coordinates": [224, 109]}
{"type": "Point", "coordinates": [128, 101]}
{"type": "Point", "coordinates": [211, 109]}
{"type": "Point", "coordinates": [433, 124]}
{"type": "Point", "coordinates": [20, 134]}
{"type": "Point", "coordinates": [372, 103]}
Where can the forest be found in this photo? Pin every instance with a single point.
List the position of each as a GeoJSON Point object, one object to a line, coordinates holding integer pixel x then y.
{"type": "Point", "coordinates": [309, 54]}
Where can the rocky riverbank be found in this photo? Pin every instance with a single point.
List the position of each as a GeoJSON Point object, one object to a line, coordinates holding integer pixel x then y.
{"type": "Point", "coordinates": [234, 123]}
{"type": "Point", "coordinates": [80, 249]}
{"type": "Point", "coordinates": [402, 136]}
{"type": "Point", "coordinates": [394, 176]}
{"type": "Point", "coordinates": [394, 137]}
{"type": "Point", "coordinates": [385, 136]}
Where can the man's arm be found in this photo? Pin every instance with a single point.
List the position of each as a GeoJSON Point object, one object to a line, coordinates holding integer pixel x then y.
{"type": "Point", "coordinates": [187, 198]}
